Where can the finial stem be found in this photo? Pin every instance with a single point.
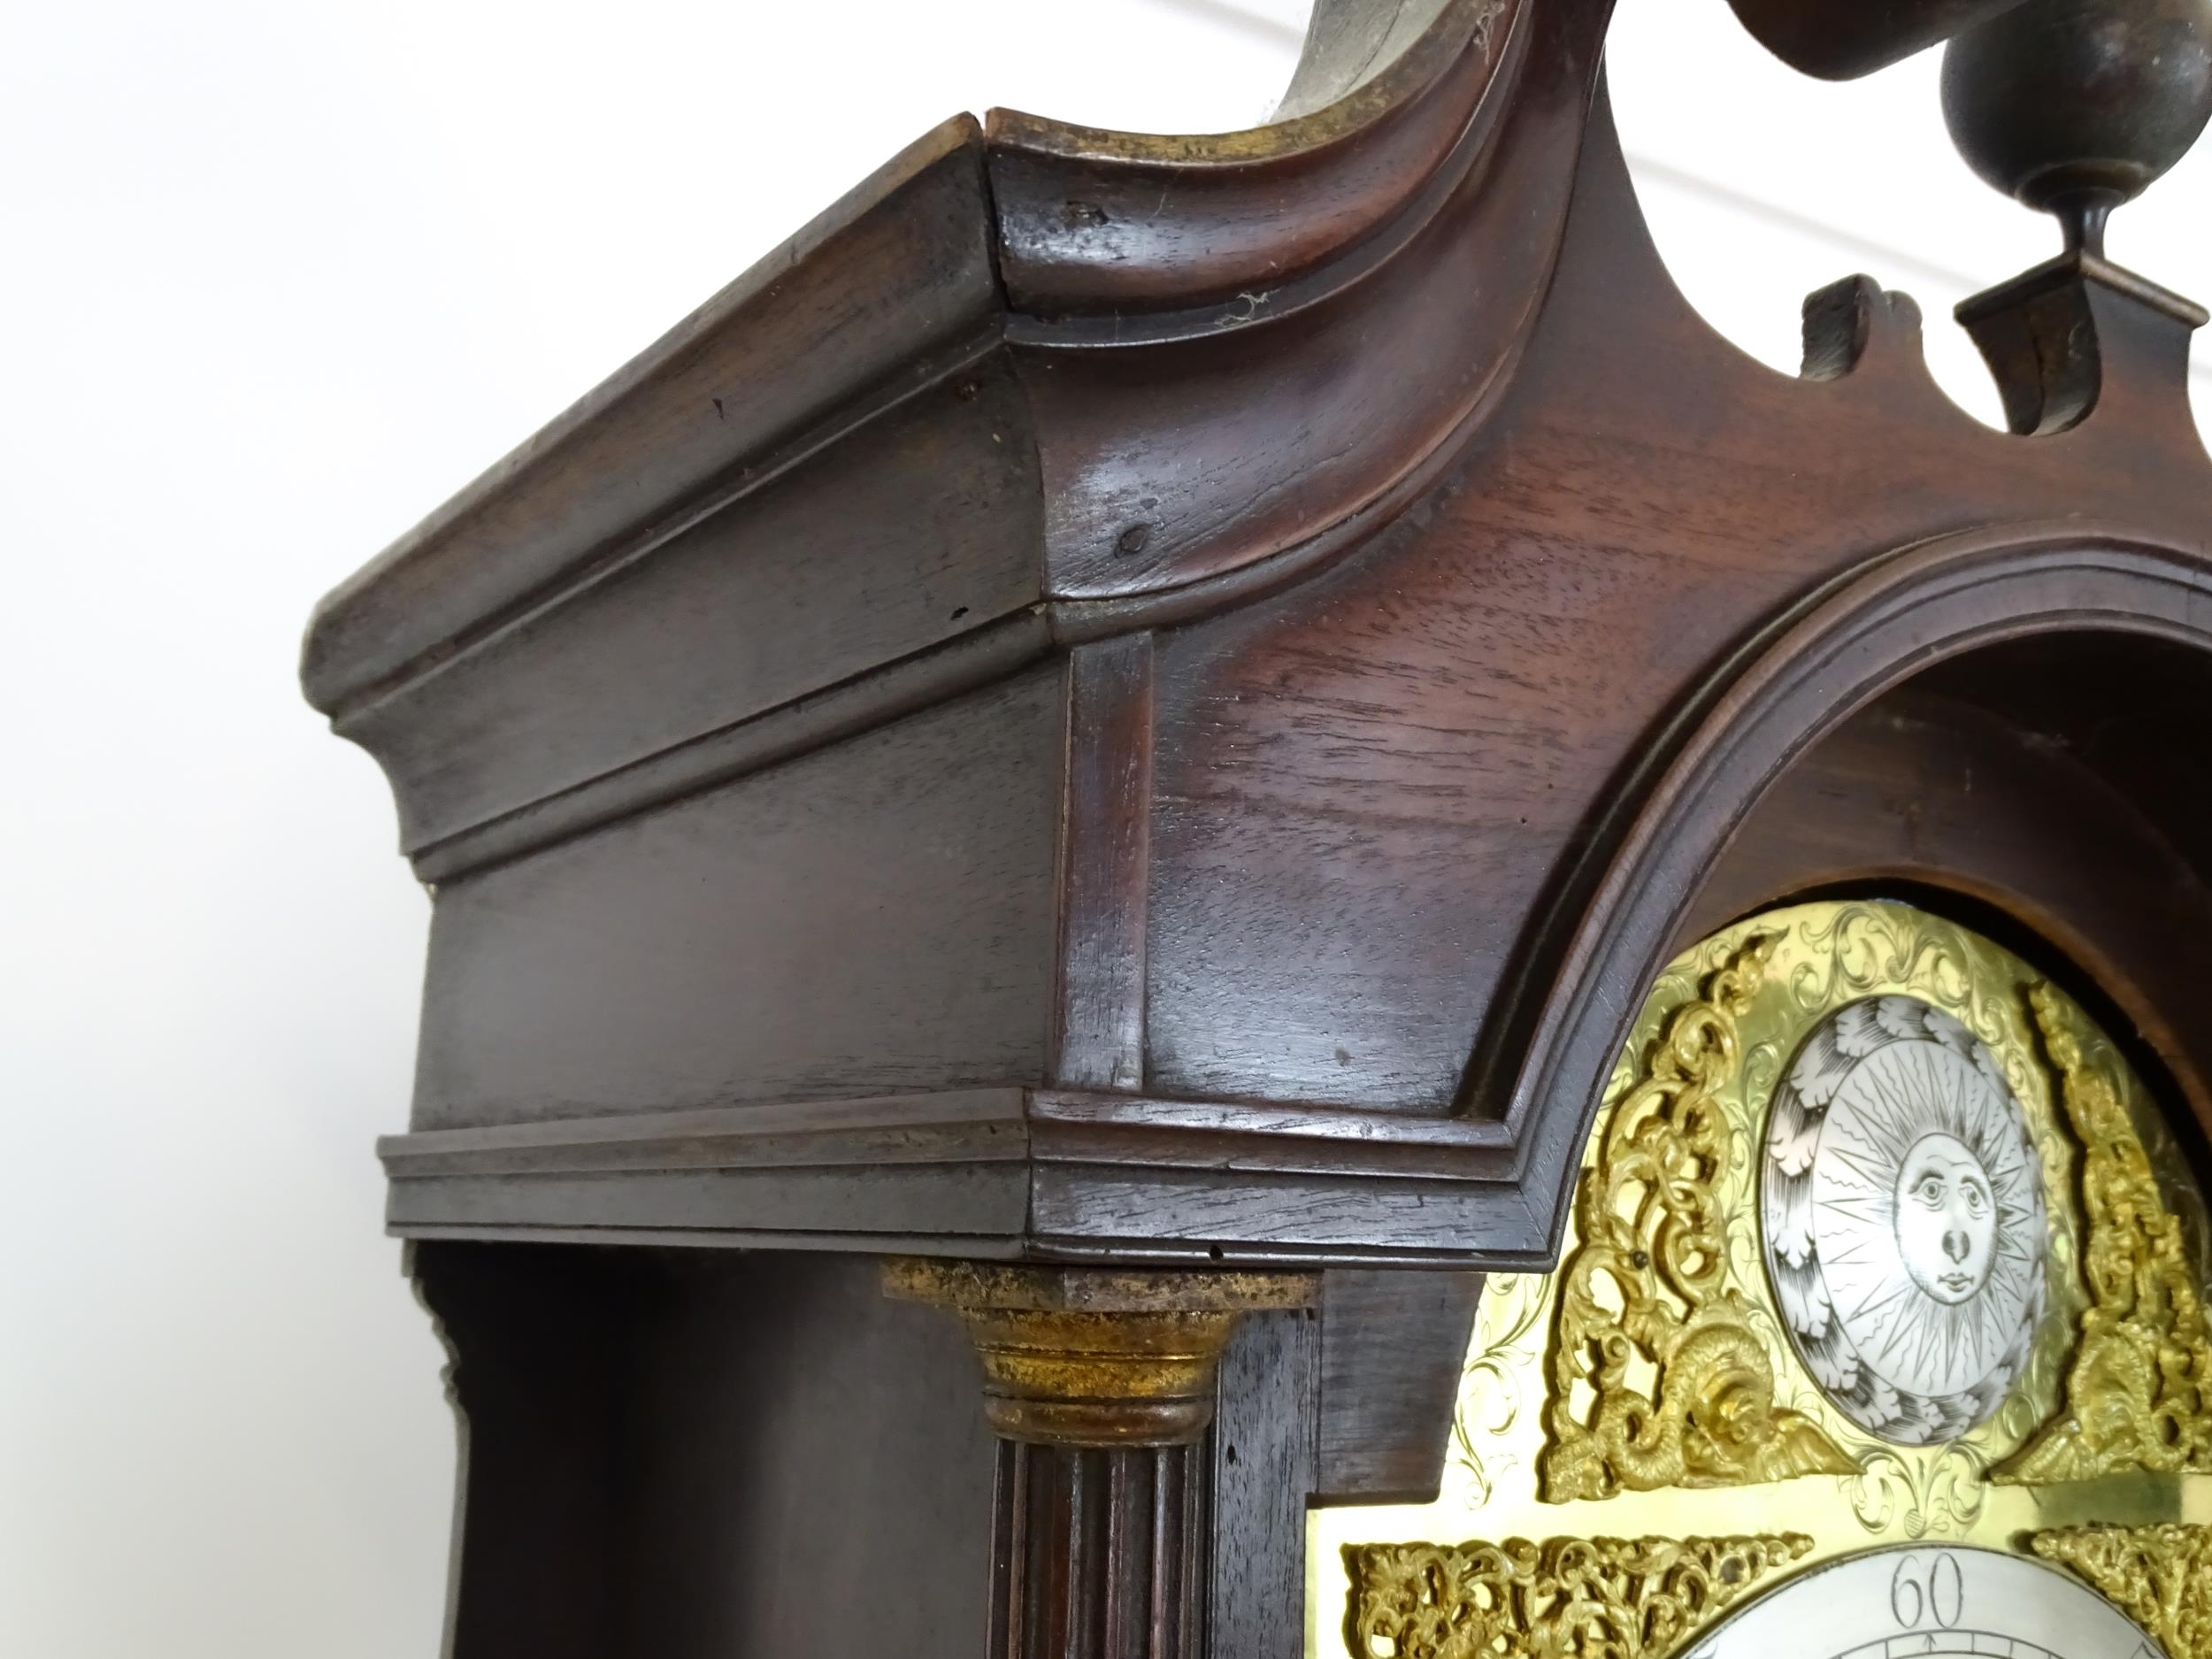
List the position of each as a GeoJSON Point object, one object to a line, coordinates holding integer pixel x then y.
{"type": "Point", "coordinates": [2083, 218]}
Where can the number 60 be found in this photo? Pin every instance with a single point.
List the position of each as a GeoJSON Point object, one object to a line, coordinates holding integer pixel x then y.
{"type": "Point", "coordinates": [1939, 1594]}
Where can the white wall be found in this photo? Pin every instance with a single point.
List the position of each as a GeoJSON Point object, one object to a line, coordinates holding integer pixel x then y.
{"type": "Point", "coordinates": [278, 276]}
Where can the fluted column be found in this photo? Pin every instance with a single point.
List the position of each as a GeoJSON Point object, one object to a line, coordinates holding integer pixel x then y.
{"type": "Point", "coordinates": [1100, 1385]}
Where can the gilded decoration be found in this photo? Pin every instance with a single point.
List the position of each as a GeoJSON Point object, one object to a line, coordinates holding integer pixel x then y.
{"type": "Point", "coordinates": [1095, 1356]}
{"type": "Point", "coordinates": [2138, 1392]}
{"type": "Point", "coordinates": [1566, 1598]}
{"type": "Point", "coordinates": [1661, 1386]}
{"type": "Point", "coordinates": [1647, 1290]}
{"type": "Point", "coordinates": [2161, 1577]}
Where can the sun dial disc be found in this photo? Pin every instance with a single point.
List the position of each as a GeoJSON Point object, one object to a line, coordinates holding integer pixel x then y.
{"type": "Point", "coordinates": [1902, 1202]}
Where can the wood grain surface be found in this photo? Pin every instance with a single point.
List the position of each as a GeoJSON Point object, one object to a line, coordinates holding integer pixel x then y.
{"type": "Point", "coordinates": [1153, 702]}
{"type": "Point", "coordinates": [1304, 903]}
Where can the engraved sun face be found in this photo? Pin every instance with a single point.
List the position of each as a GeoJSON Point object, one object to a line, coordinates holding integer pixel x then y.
{"type": "Point", "coordinates": [1902, 1202]}
{"type": "Point", "coordinates": [1946, 1218]}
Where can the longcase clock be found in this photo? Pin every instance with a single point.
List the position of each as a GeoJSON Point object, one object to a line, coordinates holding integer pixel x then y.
{"type": "Point", "coordinates": [1203, 896]}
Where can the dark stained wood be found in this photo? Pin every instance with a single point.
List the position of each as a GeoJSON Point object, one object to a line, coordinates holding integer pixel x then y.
{"type": "Point", "coordinates": [1101, 1553]}
{"type": "Point", "coordinates": [1107, 825]}
{"type": "Point", "coordinates": [2018, 821]}
{"type": "Point", "coordinates": [645, 1435]}
{"type": "Point", "coordinates": [1267, 425]}
{"type": "Point", "coordinates": [1840, 39]}
{"type": "Point", "coordinates": [919, 529]}
{"type": "Point", "coordinates": [1486, 96]}
{"type": "Point", "coordinates": [1159, 703]}
{"type": "Point", "coordinates": [634, 1421]}
{"type": "Point", "coordinates": [891, 282]}
{"type": "Point", "coordinates": [934, 1164]}
{"type": "Point", "coordinates": [1263, 1462]}
{"type": "Point", "coordinates": [1423, 821]}
{"type": "Point", "coordinates": [2046, 335]}
{"type": "Point", "coordinates": [535, 1338]}
{"type": "Point", "coordinates": [2127, 706]}
{"type": "Point", "coordinates": [1118, 223]}
{"type": "Point", "coordinates": [935, 1205]}
{"type": "Point", "coordinates": [757, 1394]}
{"type": "Point", "coordinates": [1422, 732]}
{"type": "Point", "coordinates": [1393, 1346]}
{"type": "Point", "coordinates": [1936, 601]}
{"type": "Point", "coordinates": [909, 872]}
{"type": "Point", "coordinates": [789, 730]}
{"type": "Point", "coordinates": [987, 1125]}
{"type": "Point", "coordinates": [950, 1173]}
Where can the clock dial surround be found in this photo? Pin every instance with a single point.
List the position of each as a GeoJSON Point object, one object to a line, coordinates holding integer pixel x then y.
{"type": "Point", "coordinates": [1930, 1603]}
{"type": "Point", "coordinates": [1684, 1330]}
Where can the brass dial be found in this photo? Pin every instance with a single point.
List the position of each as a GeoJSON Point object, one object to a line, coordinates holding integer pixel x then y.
{"type": "Point", "coordinates": [1663, 1435]}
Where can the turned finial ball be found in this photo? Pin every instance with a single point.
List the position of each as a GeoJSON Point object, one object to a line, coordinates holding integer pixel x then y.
{"type": "Point", "coordinates": [2073, 106]}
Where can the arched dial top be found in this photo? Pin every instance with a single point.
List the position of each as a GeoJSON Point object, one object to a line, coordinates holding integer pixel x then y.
{"type": "Point", "coordinates": [1877, 1320]}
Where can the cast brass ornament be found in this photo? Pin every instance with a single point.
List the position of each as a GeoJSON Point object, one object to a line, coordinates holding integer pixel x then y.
{"type": "Point", "coordinates": [1657, 1387]}
{"type": "Point", "coordinates": [2138, 1395]}
{"type": "Point", "coordinates": [1096, 1356]}
{"type": "Point", "coordinates": [1648, 1288]}
{"type": "Point", "coordinates": [1566, 1598]}
{"type": "Point", "coordinates": [2160, 1576]}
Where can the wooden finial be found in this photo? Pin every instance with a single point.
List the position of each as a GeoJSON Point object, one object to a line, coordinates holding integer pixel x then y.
{"type": "Point", "coordinates": [1841, 40]}
{"type": "Point", "coordinates": [2076, 106]}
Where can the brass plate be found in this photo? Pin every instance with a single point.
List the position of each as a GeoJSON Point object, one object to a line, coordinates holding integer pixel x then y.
{"type": "Point", "coordinates": [1534, 1456]}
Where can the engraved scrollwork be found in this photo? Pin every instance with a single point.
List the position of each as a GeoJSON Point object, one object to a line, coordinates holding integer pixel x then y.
{"type": "Point", "coordinates": [1502, 1355]}
{"type": "Point", "coordinates": [1646, 1295]}
{"type": "Point", "coordinates": [2160, 1576]}
{"type": "Point", "coordinates": [1861, 948]}
{"type": "Point", "coordinates": [1566, 1598]}
{"type": "Point", "coordinates": [2138, 1393]}
{"type": "Point", "coordinates": [1920, 1497]}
